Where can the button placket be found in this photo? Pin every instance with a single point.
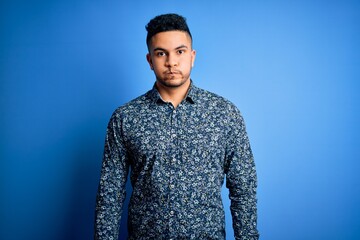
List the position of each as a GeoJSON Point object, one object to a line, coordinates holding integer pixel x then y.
{"type": "Point", "coordinates": [172, 169]}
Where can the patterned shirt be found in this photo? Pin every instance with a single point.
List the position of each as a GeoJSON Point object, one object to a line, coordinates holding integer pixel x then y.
{"type": "Point", "coordinates": [178, 158]}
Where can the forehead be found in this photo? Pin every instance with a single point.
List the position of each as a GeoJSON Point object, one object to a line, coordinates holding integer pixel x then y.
{"type": "Point", "coordinates": [170, 40]}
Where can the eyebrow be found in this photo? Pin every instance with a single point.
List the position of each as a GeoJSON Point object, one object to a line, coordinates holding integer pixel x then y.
{"type": "Point", "coordinates": [162, 49]}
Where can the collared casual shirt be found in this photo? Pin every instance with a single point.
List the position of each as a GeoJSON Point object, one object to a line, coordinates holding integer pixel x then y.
{"type": "Point", "coordinates": [178, 158]}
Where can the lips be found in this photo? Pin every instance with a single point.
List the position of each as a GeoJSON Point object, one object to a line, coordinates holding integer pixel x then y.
{"type": "Point", "coordinates": [172, 72]}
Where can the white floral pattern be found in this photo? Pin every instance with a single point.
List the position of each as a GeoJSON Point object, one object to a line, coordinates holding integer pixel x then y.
{"type": "Point", "coordinates": [178, 159]}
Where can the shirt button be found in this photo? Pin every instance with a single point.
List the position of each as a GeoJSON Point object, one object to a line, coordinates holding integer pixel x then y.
{"type": "Point", "coordinates": [172, 186]}
{"type": "Point", "coordinates": [171, 212]}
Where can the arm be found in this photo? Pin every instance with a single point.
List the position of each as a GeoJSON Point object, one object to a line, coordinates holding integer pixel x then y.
{"type": "Point", "coordinates": [111, 191]}
{"type": "Point", "coordinates": [241, 181]}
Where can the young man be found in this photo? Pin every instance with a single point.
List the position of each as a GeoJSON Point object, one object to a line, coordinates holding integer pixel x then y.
{"type": "Point", "coordinates": [180, 142]}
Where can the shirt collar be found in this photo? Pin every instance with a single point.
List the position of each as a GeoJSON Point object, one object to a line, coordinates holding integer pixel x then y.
{"type": "Point", "coordinates": [191, 96]}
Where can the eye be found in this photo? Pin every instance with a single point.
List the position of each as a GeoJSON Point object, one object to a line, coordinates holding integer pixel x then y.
{"type": "Point", "coordinates": [160, 54]}
{"type": "Point", "coordinates": [181, 51]}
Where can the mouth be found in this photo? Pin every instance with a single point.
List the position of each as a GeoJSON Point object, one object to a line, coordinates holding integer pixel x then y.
{"type": "Point", "coordinates": [172, 72]}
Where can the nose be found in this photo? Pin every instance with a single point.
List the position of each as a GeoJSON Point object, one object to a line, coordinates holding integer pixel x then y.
{"type": "Point", "coordinates": [171, 61]}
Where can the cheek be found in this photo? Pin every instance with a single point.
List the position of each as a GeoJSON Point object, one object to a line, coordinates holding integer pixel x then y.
{"type": "Point", "coordinates": [188, 61]}
{"type": "Point", "coordinates": [156, 64]}
{"type": "Point", "coordinates": [158, 69]}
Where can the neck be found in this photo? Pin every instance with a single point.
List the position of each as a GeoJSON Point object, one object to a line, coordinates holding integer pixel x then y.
{"type": "Point", "coordinates": [174, 95]}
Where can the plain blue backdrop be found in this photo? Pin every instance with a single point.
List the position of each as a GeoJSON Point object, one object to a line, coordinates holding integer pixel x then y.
{"type": "Point", "coordinates": [292, 68]}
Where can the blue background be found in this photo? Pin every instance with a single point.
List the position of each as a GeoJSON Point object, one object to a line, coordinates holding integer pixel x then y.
{"type": "Point", "coordinates": [292, 67]}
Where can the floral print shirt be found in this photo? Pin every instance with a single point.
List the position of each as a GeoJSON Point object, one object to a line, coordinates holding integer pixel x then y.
{"type": "Point", "coordinates": [178, 158]}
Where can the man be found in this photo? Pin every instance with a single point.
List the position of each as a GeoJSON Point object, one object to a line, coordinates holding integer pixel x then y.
{"type": "Point", "coordinates": [180, 142]}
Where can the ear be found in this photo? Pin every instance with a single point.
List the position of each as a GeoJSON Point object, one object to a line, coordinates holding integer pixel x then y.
{"type": "Point", "coordinates": [149, 60]}
{"type": "Point", "coordinates": [193, 56]}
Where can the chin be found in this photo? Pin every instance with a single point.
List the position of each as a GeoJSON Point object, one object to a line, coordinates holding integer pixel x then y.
{"type": "Point", "coordinates": [173, 83]}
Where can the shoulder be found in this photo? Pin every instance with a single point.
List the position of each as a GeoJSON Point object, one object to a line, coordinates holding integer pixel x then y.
{"type": "Point", "coordinates": [216, 102]}
{"type": "Point", "coordinates": [132, 107]}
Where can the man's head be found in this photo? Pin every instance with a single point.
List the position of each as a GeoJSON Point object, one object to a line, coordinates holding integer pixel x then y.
{"type": "Point", "coordinates": [170, 56]}
{"type": "Point", "coordinates": [164, 23]}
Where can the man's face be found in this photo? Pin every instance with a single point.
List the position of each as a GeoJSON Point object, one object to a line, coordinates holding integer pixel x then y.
{"type": "Point", "coordinates": [171, 57]}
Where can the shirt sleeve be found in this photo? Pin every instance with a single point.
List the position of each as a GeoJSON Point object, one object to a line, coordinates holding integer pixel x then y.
{"type": "Point", "coordinates": [111, 191]}
{"type": "Point", "coordinates": [241, 180]}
